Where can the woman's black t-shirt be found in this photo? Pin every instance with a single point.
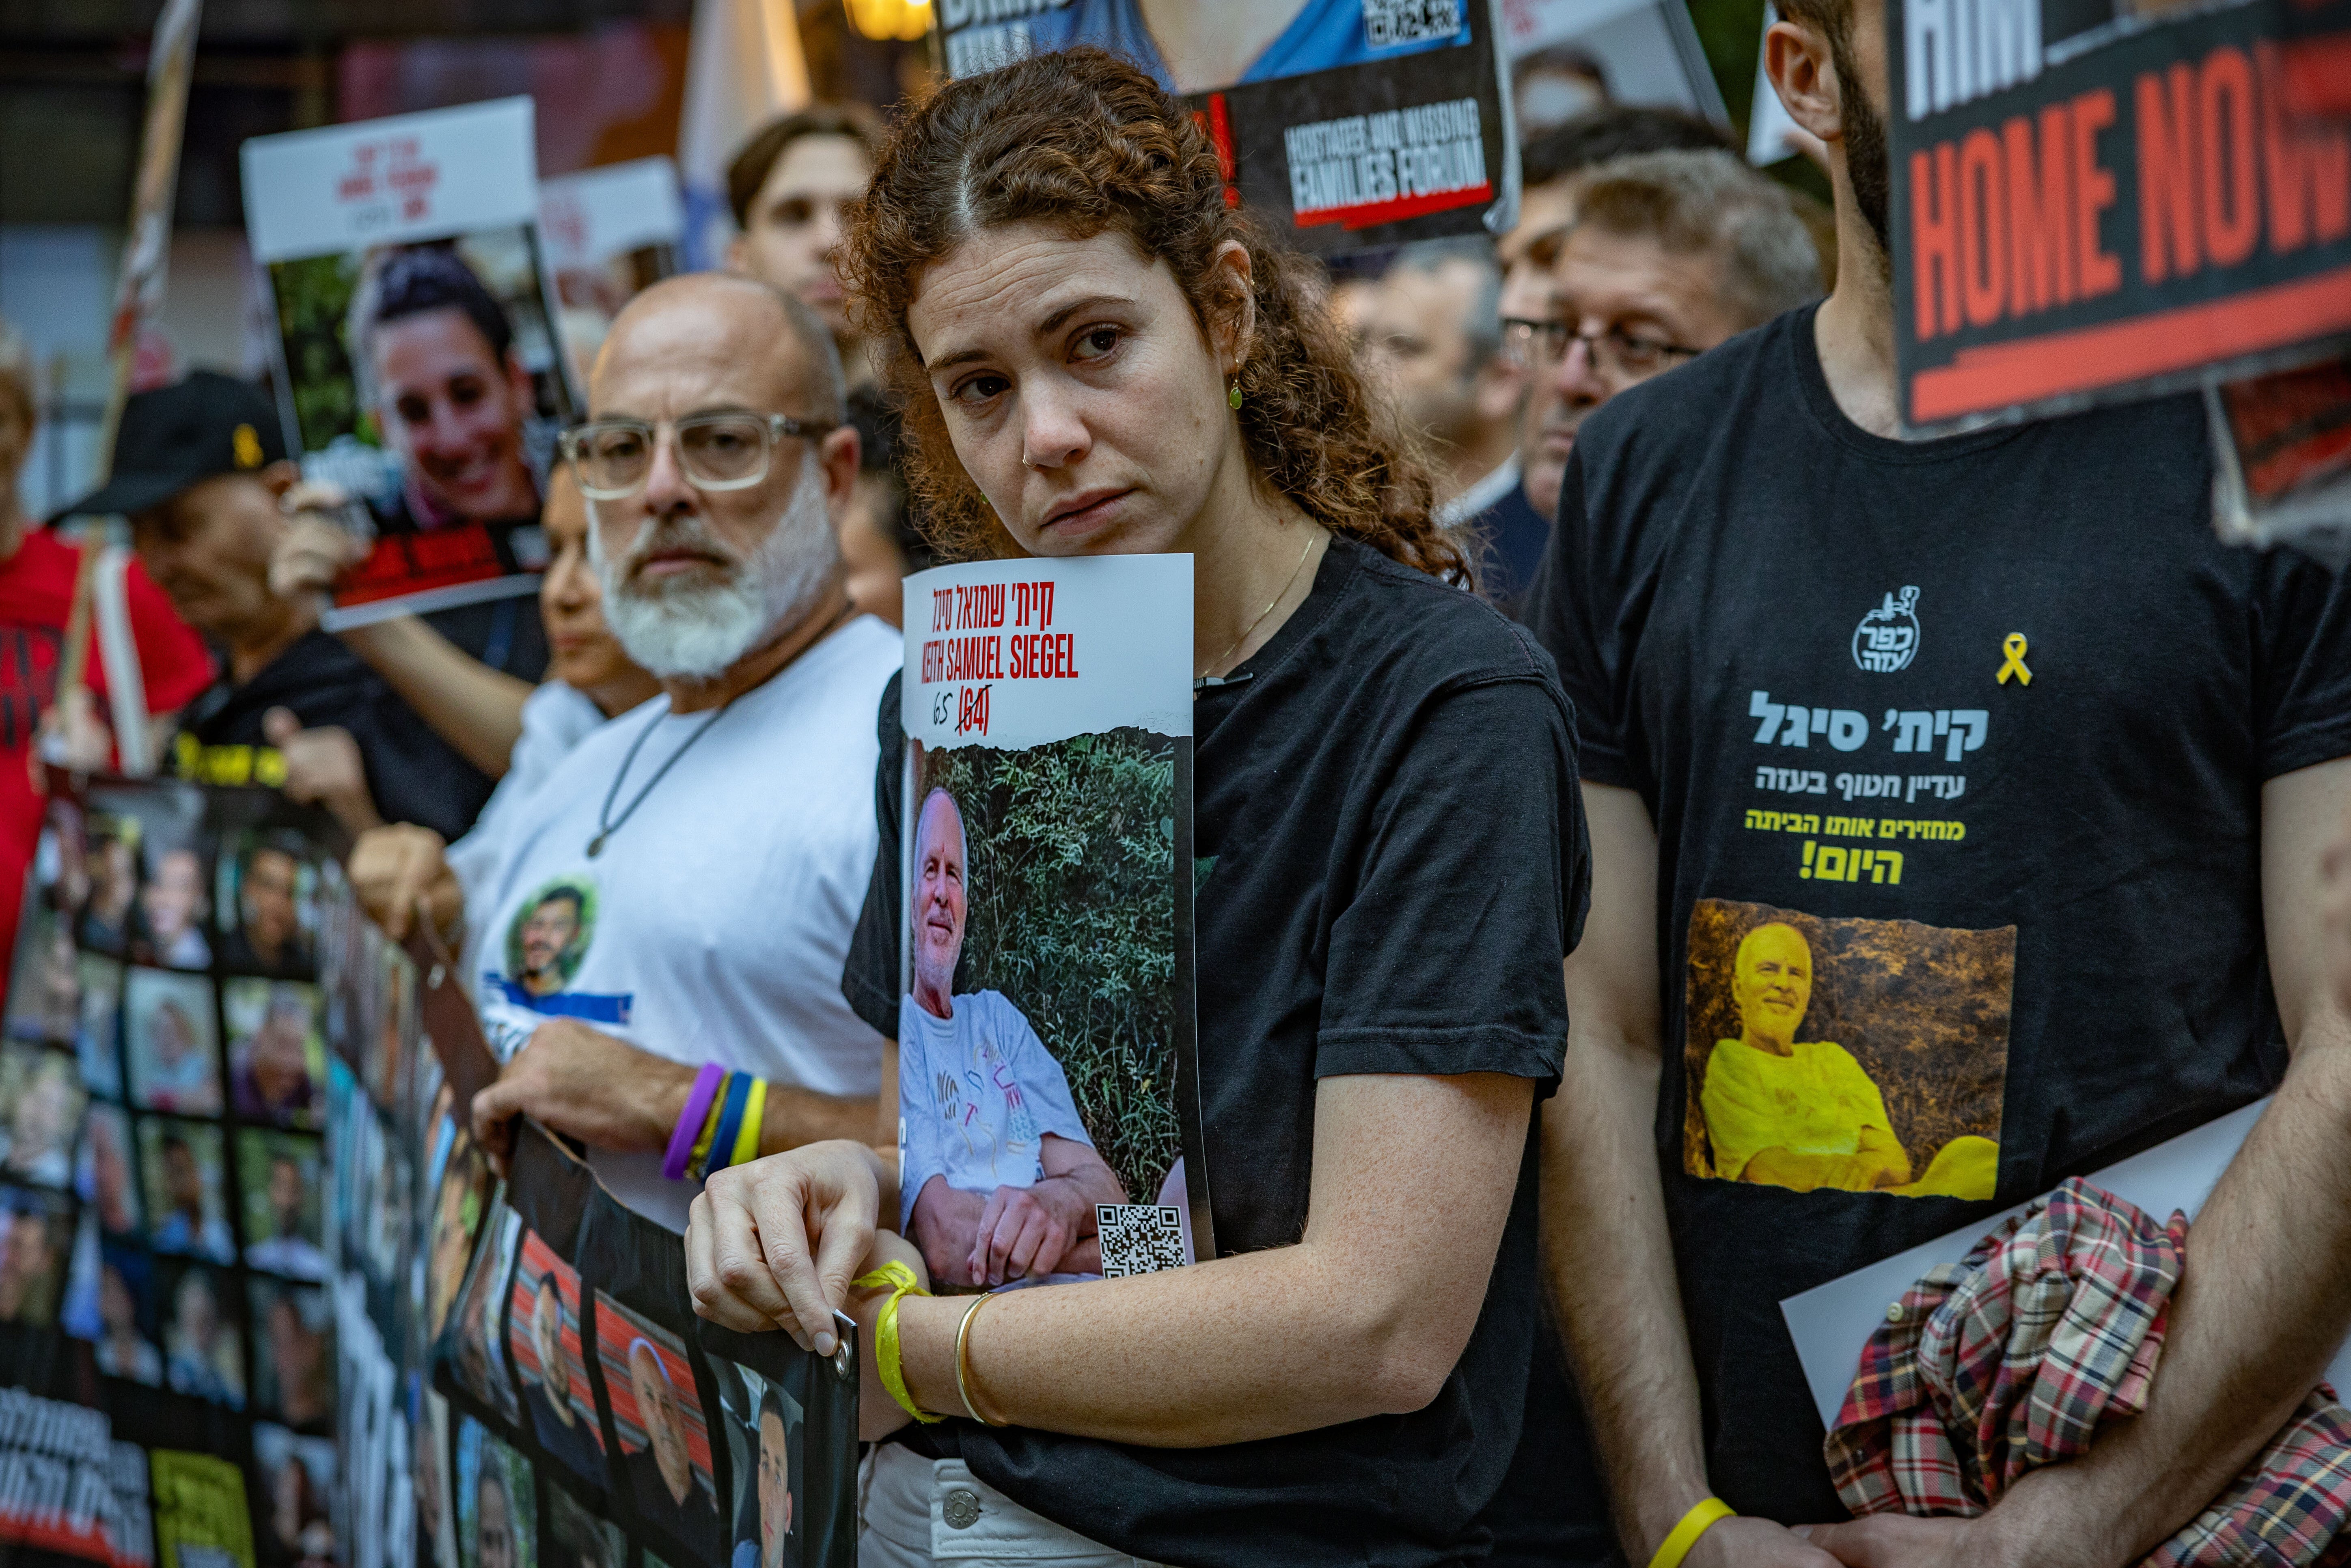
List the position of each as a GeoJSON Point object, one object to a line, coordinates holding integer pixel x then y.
{"type": "Point", "coordinates": [1391, 863]}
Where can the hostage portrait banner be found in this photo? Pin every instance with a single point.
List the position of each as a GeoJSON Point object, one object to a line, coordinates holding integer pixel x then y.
{"type": "Point", "coordinates": [264, 1302]}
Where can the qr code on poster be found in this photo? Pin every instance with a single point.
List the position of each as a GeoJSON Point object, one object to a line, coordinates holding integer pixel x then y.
{"type": "Point", "coordinates": [1388, 22]}
{"type": "Point", "coordinates": [1139, 1238]}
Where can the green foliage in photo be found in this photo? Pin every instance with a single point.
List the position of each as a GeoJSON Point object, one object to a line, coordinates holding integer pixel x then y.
{"type": "Point", "coordinates": [314, 300]}
{"type": "Point", "coordinates": [1073, 917]}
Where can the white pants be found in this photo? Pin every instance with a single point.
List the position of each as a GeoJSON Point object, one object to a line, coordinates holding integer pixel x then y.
{"type": "Point", "coordinates": [914, 1511]}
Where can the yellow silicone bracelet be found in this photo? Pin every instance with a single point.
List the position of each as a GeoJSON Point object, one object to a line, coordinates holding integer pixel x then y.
{"type": "Point", "coordinates": [693, 1162]}
{"type": "Point", "coordinates": [754, 1111]}
{"type": "Point", "coordinates": [898, 1280]}
{"type": "Point", "coordinates": [1703, 1515]}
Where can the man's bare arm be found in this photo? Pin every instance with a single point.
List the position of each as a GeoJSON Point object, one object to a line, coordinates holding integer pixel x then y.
{"type": "Point", "coordinates": [2266, 1297]}
{"type": "Point", "coordinates": [1607, 1260]}
{"type": "Point", "coordinates": [585, 1084]}
{"type": "Point", "coordinates": [477, 709]}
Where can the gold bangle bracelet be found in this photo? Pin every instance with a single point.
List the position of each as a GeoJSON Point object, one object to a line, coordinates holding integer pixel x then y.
{"type": "Point", "coordinates": [962, 1359]}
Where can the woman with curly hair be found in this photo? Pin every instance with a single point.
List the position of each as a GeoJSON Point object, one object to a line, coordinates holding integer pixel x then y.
{"type": "Point", "coordinates": [1098, 353]}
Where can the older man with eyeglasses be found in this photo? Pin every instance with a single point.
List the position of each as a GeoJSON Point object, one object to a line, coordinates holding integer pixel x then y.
{"type": "Point", "coordinates": [717, 842]}
{"type": "Point", "coordinates": [1670, 254]}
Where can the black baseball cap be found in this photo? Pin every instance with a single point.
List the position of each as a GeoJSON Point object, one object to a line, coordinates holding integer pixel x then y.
{"type": "Point", "coordinates": [174, 436]}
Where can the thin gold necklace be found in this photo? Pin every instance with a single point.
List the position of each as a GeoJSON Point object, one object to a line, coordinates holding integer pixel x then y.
{"type": "Point", "coordinates": [1244, 637]}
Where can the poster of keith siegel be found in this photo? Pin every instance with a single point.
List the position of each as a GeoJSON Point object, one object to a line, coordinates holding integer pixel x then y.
{"type": "Point", "coordinates": [1046, 1027]}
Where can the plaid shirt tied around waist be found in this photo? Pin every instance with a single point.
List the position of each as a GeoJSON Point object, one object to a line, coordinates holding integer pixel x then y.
{"type": "Point", "coordinates": [2009, 1360]}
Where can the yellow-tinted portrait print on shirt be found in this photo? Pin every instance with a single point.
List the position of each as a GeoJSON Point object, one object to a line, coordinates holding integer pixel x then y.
{"type": "Point", "coordinates": [1851, 1055]}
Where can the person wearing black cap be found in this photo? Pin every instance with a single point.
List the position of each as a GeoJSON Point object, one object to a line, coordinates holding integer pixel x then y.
{"type": "Point", "coordinates": [201, 470]}
{"type": "Point", "coordinates": [37, 587]}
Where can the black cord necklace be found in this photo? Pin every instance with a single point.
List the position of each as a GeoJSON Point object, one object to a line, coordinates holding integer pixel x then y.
{"type": "Point", "coordinates": [605, 828]}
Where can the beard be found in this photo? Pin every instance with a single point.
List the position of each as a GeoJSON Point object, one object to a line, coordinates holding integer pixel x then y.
{"type": "Point", "coordinates": [1867, 163]}
{"type": "Point", "coordinates": [698, 630]}
{"type": "Point", "coordinates": [931, 974]}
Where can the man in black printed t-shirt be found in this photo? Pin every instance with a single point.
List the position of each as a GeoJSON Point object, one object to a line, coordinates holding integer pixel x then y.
{"type": "Point", "coordinates": [2024, 780]}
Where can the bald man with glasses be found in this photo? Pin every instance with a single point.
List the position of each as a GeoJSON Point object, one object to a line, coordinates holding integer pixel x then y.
{"type": "Point", "coordinates": [712, 846]}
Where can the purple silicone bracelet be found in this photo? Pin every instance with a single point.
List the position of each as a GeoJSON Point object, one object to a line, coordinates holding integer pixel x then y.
{"type": "Point", "coordinates": [690, 1120]}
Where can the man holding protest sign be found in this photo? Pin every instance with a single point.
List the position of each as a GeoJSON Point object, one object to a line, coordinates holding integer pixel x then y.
{"type": "Point", "coordinates": [200, 470]}
{"type": "Point", "coordinates": [2106, 749]}
{"type": "Point", "coordinates": [713, 850]}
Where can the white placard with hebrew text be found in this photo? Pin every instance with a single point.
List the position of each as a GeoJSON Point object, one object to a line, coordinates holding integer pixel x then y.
{"type": "Point", "coordinates": [1022, 653]}
{"type": "Point", "coordinates": [407, 177]}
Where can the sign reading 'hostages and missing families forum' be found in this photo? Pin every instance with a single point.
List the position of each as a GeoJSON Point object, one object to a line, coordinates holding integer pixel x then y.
{"type": "Point", "coordinates": [1349, 123]}
{"type": "Point", "coordinates": [1045, 1024]}
{"type": "Point", "coordinates": [2090, 205]}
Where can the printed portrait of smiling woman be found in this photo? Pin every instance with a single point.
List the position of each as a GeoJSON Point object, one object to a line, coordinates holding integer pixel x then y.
{"type": "Point", "coordinates": [448, 390]}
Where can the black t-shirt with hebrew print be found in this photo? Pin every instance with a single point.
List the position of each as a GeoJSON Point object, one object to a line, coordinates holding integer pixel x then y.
{"type": "Point", "coordinates": [1934, 934]}
{"type": "Point", "coordinates": [1391, 862]}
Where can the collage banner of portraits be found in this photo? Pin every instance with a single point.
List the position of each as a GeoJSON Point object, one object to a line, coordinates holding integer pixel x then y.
{"type": "Point", "coordinates": [263, 1299]}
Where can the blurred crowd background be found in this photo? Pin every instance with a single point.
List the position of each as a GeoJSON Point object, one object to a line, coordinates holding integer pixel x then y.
{"type": "Point", "coordinates": [613, 82]}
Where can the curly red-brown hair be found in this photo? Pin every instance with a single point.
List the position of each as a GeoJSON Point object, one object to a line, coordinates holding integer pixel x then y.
{"type": "Point", "coordinates": [1086, 144]}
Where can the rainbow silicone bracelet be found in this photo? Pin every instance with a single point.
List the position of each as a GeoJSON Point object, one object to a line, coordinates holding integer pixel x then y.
{"type": "Point", "coordinates": [690, 1120]}
{"type": "Point", "coordinates": [1704, 1514]}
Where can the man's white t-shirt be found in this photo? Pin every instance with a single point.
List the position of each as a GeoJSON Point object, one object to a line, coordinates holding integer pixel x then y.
{"type": "Point", "coordinates": [976, 1095]}
{"type": "Point", "coordinates": [554, 718]}
{"type": "Point", "coordinates": [714, 925]}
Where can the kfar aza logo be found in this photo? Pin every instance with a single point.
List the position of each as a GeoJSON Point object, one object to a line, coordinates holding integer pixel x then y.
{"type": "Point", "coordinates": [1888, 638]}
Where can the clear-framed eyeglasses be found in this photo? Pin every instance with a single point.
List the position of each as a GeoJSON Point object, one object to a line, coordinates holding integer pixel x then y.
{"type": "Point", "coordinates": [613, 458]}
{"type": "Point", "coordinates": [1616, 353]}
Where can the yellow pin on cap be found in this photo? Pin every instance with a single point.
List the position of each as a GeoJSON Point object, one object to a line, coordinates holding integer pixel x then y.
{"type": "Point", "coordinates": [245, 445]}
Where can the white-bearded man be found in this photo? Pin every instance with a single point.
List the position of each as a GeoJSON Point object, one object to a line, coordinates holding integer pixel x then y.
{"type": "Point", "coordinates": [718, 842]}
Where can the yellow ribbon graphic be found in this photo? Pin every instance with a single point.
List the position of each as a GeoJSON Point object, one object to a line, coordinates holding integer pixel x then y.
{"type": "Point", "coordinates": [2013, 646]}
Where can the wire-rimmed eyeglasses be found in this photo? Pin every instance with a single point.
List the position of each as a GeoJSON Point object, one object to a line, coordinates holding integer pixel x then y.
{"type": "Point", "coordinates": [1537, 345]}
{"type": "Point", "coordinates": [613, 458]}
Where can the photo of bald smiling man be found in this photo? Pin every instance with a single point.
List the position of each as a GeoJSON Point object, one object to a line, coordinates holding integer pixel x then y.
{"type": "Point", "coordinates": [657, 1413]}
